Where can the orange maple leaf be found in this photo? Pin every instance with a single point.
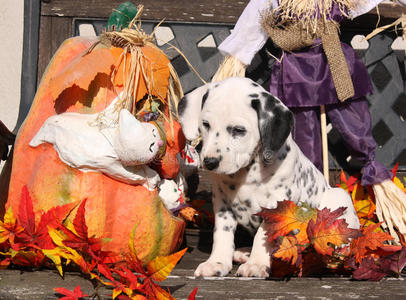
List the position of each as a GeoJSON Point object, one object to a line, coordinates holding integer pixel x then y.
{"type": "Point", "coordinates": [159, 268]}
{"type": "Point", "coordinates": [287, 217]}
{"type": "Point", "coordinates": [328, 230]}
{"type": "Point", "coordinates": [288, 250]}
{"type": "Point", "coordinates": [370, 240]}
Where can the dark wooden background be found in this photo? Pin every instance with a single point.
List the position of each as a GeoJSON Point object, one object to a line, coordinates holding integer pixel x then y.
{"type": "Point", "coordinates": [57, 16]}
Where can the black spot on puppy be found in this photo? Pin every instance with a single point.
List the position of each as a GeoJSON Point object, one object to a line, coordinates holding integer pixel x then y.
{"type": "Point", "coordinates": [255, 84]}
{"type": "Point", "coordinates": [227, 228]}
{"type": "Point", "coordinates": [205, 98]}
{"type": "Point", "coordinates": [232, 187]}
{"type": "Point", "coordinates": [255, 104]}
{"type": "Point", "coordinates": [270, 101]}
{"type": "Point", "coordinates": [223, 209]}
{"type": "Point", "coordinates": [289, 193]}
{"type": "Point", "coordinates": [182, 106]}
{"type": "Point", "coordinates": [253, 95]}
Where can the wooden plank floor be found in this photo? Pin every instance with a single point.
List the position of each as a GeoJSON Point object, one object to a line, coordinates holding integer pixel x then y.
{"type": "Point", "coordinates": [38, 285]}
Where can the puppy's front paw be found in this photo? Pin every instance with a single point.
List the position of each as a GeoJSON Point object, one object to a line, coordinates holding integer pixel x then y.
{"type": "Point", "coordinates": [253, 270]}
{"type": "Point", "coordinates": [209, 269]}
{"type": "Point", "coordinates": [242, 255]}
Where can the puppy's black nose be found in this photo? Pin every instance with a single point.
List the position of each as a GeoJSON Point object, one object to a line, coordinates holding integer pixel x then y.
{"type": "Point", "coordinates": [211, 163]}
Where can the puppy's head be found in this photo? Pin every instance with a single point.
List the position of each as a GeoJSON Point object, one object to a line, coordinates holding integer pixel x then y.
{"type": "Point", "coordinates": [233, 116]}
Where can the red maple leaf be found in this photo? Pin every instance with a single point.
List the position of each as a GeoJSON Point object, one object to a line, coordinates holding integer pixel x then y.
{"type": "Point", "coordinates": [79, 240]}
{"type": "Point", "coordinates": [370, 270]}
{"type": "Point", "coordinates": [347, 184]}
{"type": "Point", "coordinates": [395, 170]}
{"type": "Point", "coordinates": [374, 269]}
{"type": "Point", "coordinates": [328, 230]}
{"type": "Point", "coordinates": [394, 263]}
{"type": "Point", "coordinates": [28, 258]}
{"type": "Point", "coordinates": [5, 263]}
{"type": "Point", "coordinates": [286, 218]}
{"type": "Point", "coordinates": [313, 263]}
{"type": "Point", "coordinates": [38, 236]}
{"type": "Point", "coordinates": [370, 240]}
{"type": "Point", "coordinates": [69, 295]}
{"type": "Point", "coordinates": [192, 295]}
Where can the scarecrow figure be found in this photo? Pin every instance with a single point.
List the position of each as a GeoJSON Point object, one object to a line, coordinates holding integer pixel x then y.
{"type": "Point", "coordinates": [316, 72]}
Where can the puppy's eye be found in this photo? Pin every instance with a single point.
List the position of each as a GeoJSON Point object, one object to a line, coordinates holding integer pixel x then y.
{"type": "Point", "coordinates": [236, 131]}
{"type": "Point", "coordinates": [206, 125]}
{"type": "Point", "coordinates": [150, 147]}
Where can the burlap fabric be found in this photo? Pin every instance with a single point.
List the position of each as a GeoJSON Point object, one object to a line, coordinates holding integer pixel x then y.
{"type": "Point", "coordinates": [294, 37]}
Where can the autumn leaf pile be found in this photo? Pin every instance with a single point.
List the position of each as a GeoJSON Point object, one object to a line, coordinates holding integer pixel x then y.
{"type": "Point", "coordinates": [56, 242]}
{"type": "Point", "coordinates": [305, 241]}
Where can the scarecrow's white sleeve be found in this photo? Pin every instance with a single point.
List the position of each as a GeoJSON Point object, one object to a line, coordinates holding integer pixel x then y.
{"type": "Point", "coordinates": [248, 36]}
{"type": "Point", "coordinates": [364, 7]}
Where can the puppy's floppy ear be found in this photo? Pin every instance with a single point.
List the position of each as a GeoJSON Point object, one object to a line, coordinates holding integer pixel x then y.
{"type": "Point", "coordinates": [275, 122]}
{"type": "Point", "coordinates": [189, 109]}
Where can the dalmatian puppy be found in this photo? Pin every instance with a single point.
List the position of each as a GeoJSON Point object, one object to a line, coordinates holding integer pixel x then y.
{"type": "Point", "coordinates": [254, 163]}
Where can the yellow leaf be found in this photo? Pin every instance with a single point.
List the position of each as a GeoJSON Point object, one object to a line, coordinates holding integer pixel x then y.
{"type": "Point", "coordinates": [9, 227]}
{"type": "Point", "coordinates": [399, 184]}
{"type": "Point", "coordinates": [116, 292]}
{"type": "Point", "coordinates": [364, 208]}
{"type": "Point", "coordinates": [9, 219]}
{"type": "Point", "coordinates": [66, 252]}
{"type": "Point", "coordinates": [55, 256]}
{"type": "Point", "coordinates": [57, 236]}
{"type": "Point", "coordinates": [161, 267]}
{"type": "Point", "coordinates": [161, 294]}
{"type": "Point", "coordinates": [68, 224]}
{"type": "Point", "coordinates": [131, 242]}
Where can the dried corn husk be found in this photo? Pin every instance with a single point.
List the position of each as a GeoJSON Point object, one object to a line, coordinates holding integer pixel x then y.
{"type": "Point", "coordinates": [230, 67]}
{"type": "Point", "coordinates": [136, 68]}
{"type": "Point", "coordinates": [307, 12]}
{"type": "Point", "coordinates": [391, 208]}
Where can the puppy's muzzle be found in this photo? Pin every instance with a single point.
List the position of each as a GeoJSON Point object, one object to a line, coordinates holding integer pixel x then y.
{"type": "Point", "coordinates": [211, 163]}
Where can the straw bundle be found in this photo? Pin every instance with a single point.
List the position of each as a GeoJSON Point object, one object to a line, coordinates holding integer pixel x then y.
{"type": "Point", "coordinates": [308, 12]}
{"type": "Point", "coordinates": [230, 67]}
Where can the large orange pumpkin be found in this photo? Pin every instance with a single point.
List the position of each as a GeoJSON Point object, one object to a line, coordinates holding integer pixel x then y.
{"type": "Point", "coordinates": [113, 208]}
